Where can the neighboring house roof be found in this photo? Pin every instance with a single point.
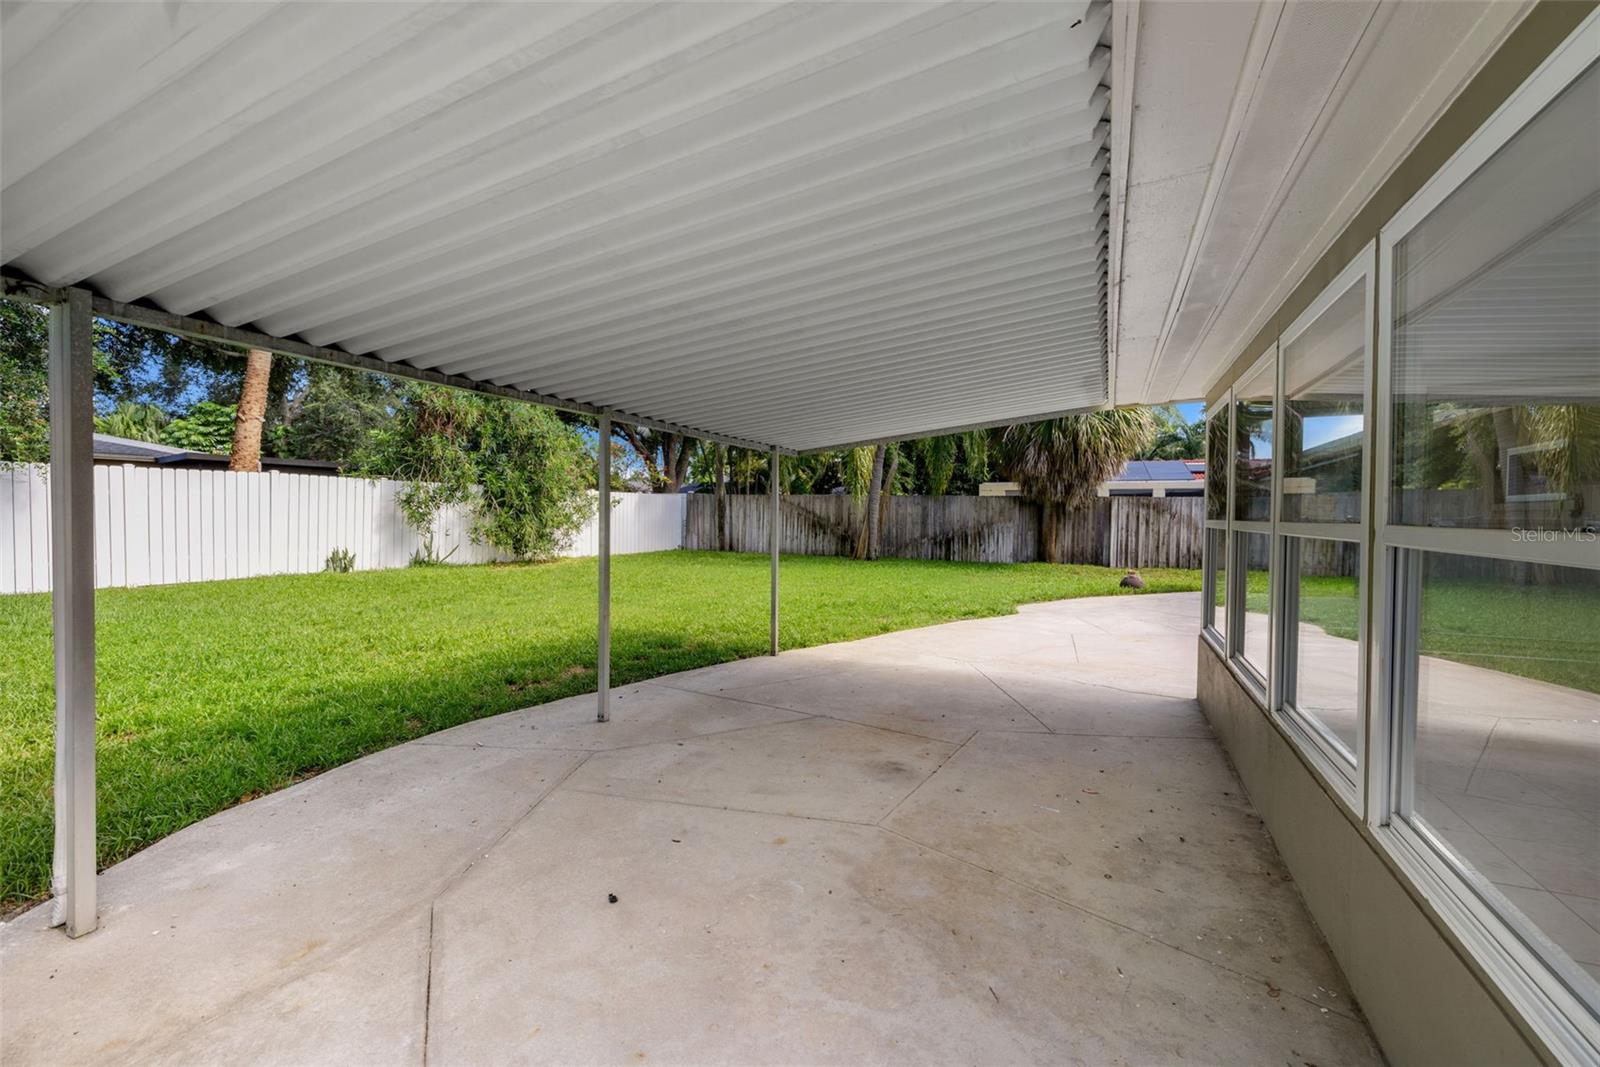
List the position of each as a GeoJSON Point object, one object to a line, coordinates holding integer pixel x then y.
{"type": "Point", "coordinates": [1156, 470]}
{"type": "Point", "coordinates": [127, 450]}
{"type": "Point", "coordinates": [109, 449]}
{"type": "Point", "coordinates": [1138, 477]}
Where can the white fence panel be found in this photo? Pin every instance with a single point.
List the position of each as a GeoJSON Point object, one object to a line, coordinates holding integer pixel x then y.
{"type": "Point", "coordinates": [156, 526]}
{"type": "Point", "coordinates": [640, 522]}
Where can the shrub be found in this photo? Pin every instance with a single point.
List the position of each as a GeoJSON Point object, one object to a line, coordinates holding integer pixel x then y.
{"type": "Point", "coordinates": [517, 467]}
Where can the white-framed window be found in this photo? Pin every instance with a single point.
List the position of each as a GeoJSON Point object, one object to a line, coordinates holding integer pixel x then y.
{"type": "Point", "coordinates": [1251, 575]}
{"type": "Point", "coordinates": [1485, 776]}
{"type": "Point", "coordinates": [1322, 525]}
{"type": "Point", "coordinates": [1214, 584]}
{"type": "Point", "coordinates": [1403, 551]}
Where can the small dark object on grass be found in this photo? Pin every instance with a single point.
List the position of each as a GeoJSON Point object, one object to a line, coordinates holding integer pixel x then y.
{"type": "Point", "coordinates": [1131, 580]}
{"type": "Point", "coordinates": [611, 898]}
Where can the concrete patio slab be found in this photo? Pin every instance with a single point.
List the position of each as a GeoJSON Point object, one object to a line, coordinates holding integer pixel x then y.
{"type": "Point", "coordinates": [817, 768]}
{"type": "Point", "coordinates": [1068, 706]}
{"type": "Point", "coordinates": [873, 879]}
{"type": "Point", "coordinates": [753, 938]}
{"type": "Point", "coordinates": [570, 723]}
{"type": "Point", "coordinates": [1181, 858]}
{"type": "Point", "coordinates": [764, 670]}
{"type": "Point", "coordinates": [943, 699]}
{"type": "Point", "coordinates": [365, 1004]}
{"type": "Point", "coordinates": [259, 900]}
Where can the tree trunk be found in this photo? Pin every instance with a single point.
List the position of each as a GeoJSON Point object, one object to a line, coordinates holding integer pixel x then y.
{"type": "Point", "coordinates": [719, 466]}
{"type": "Point", "coordinates": [678, 466]}
{"type": "Point", "coordinates": [885, 496]}
{"type": "Point", "coordinates": [644, 448]}
{"type": "Point", "coordinates": [1050, 531]}
{"type": "Point", "coordinates": [251, 413]}
{"type": "Point", "coordinates": [869, 547]}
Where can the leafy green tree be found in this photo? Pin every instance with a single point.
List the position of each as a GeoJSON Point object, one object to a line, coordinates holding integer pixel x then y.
{"type": "Point", "coordinates": [518, 467]}
{"type": "Point", "coordinates": [24, 384]}
{"type": "Point", "coordinates": [25, 379]}
{"type": "Point", "coordinates": [165, 369]}
{"type": "Point", "coordinates": [133, 420]}
{"type": "Point", "coordinates": [953, 463]}
{"type": "Point", "coordinates": [1174, 438]}
{"type": "Point", "coordinates": [666, 456]}
{"type": "Point", "coordinates": [938, 461]}
{"type": "Point", "coordinates": [206, 427]}
{"type": "Point", "coordinates": [331, 414]}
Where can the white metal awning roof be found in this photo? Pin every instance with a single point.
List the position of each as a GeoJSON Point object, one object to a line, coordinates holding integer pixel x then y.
{"type": "Point", "coordinates": [796, 225]}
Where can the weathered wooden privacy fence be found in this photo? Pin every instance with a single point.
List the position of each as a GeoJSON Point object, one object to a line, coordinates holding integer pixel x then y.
{"type": "Point", "coordinates": [1115, 531]}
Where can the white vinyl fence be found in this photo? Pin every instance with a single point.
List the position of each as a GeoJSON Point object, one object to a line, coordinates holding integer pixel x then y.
{"type": "Point", "coordinates": [156, 526]}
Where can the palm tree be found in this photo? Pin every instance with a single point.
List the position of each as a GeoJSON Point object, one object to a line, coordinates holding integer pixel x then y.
{"type": "Point", "coordinates": [1061, 462]}
{"type": "Point", "coordinates": [939, 460]}
{"type": "Point", "coordinates": [133, 420]}
{"type": "Point", "coordinates": [719, 468]}
{"type": "Point", "coordinates": [251, 414]}
{"type": "Point", "coordinates": [869, 547]}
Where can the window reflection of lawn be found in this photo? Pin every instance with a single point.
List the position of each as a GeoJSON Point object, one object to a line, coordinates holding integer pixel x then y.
{"type": "Point", "coordinates": [1548, 633]}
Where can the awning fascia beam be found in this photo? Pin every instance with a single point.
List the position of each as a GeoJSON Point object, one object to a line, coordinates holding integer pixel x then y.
{"type": "Point", "coordinates": [996, 424]}
{"type": "Point", "coordinates": [27, 290]}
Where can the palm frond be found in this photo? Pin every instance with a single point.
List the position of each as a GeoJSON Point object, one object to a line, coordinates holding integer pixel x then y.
{"type": "Point", "coordinates": [939, 461]}
{"type": "Point", "coordinates": [858, 473]}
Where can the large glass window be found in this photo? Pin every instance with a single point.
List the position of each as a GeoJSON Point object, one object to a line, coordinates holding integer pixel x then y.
{"type": "Point", "coordinates": [1324, 382]}
{"type": "Point", "coordinates": [1322, 650]}
{"type": "Point", "coordinates": [1254, 639]}
{"type": "Point", "coordinates": [1496, 339]}
{"type": "Point", "coordinates": [1217, 458]}
{"type": "Point", "coordinates": [1252, 450]}
{"type": "Point", "coordinates": [1216, 613]}
{"type": "Point", "coordinates": [1507, 734]}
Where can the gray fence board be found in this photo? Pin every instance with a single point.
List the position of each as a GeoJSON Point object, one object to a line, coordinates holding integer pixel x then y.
{"type": "Point", "coordinates": [1120, 531]}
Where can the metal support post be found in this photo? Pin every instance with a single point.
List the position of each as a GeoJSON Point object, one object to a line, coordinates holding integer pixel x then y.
{"type": "Point", "coordinates": [603, 481]}
{"type": "Point", "coordinates": [777, 530]}
{"type": "Point", "coordinates": [71, 375]}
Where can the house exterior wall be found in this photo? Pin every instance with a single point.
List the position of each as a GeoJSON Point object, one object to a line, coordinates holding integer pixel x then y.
{"type": "Point", "coordinates": [1426, 1003]}
{"type": "Point", "coordinates": [1448, 961]}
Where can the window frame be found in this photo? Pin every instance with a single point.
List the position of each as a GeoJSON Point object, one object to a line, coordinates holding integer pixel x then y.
{"type": "Point", "coordinates": [1508, 946]}
{"type": "Point", "coordinates": [1208, 568]}
{"type": "Point", "coordinates": [1342, 768]}
{"type": "Point", "coordinates": [1259, 680]}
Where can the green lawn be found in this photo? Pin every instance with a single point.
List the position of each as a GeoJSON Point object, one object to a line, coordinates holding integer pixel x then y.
{"type": "Point", "coordinates": [213, 693]}
{"type": "Point", "coordinates": [1545, 632]}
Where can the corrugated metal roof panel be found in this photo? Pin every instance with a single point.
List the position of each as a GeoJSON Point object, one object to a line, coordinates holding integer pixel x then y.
{"type": "Point", "coordinates": [797, 224]}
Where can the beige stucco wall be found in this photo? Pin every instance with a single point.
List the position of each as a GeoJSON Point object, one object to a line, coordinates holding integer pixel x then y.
{"type": "Point", "coordinates": [1427, 1005]}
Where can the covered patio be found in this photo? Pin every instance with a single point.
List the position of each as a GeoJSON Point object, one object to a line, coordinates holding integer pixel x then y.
{"type": "Point", "coordinates": [1010, 839]}
{"type": "Point", "coordinates": [795, 228]}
